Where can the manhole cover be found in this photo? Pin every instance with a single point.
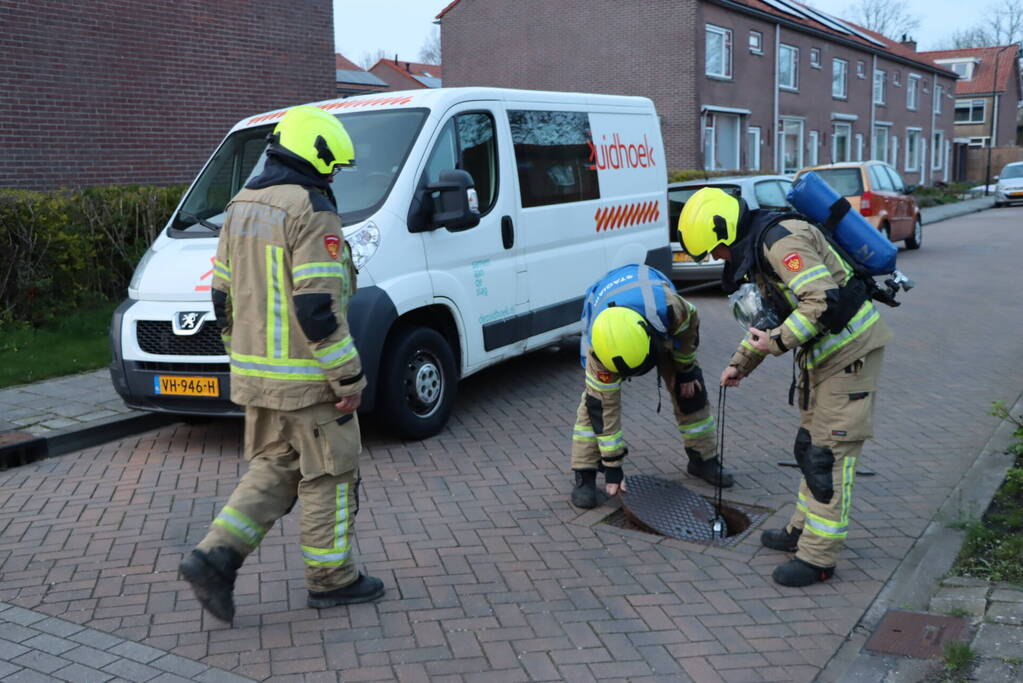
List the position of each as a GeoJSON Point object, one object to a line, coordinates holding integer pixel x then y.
{"type": "Point", "coordinates": [915, 634]}
{"type": "Point", "coordinates": [670, 509]}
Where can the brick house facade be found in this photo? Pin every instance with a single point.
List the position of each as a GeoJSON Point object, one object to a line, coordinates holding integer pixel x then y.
{"type": "Point", "coordinates": [739, 84]}
{"type": "Point", "coordinates": [117, 91]}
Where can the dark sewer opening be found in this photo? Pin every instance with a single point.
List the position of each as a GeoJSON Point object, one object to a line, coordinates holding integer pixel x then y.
{"type": "Point", "coordinates": [665, 508]}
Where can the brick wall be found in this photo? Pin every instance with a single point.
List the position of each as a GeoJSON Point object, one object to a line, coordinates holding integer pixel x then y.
{"type": "Point", "coordinates": [123, 91]}
{"type": "Point", "coordinates": [603, 46]}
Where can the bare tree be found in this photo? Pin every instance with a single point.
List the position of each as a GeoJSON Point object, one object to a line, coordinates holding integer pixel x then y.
{"type": "Point", "coordinates": [1003, 25]}
{"type": "Point", "coordinates": [429, 53]}
{"type": "Point", "coordinates": [371, 58]}
{"type": "Point", "coordinates": [890, 18]}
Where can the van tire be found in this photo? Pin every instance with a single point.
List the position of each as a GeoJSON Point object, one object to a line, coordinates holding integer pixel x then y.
{"type": "Point", "coordinates": [418, 382]}
{"type": "Point", "coordinates": [916, 239]}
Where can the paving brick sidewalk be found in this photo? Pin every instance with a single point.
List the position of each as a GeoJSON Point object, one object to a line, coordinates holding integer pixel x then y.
{"type": "Point", "coordinates": [491, 574]}
{"type": "Point", "coordinates": [60, 403]}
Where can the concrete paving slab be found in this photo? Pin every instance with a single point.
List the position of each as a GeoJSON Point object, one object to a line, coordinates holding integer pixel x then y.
{"type": "Point", "coordinates": [999, 640]}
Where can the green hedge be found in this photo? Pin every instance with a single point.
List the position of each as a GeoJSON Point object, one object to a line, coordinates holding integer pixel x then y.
{"type": "Point", "coordinates": [681, 176]}
{"type": "Point", "coordinates": [65, 248]}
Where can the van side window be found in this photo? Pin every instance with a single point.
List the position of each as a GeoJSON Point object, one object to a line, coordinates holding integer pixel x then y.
{"type": "Point", "coordinates": [467, 143]}
{"type": "Point", "coordinates": [552, 153]}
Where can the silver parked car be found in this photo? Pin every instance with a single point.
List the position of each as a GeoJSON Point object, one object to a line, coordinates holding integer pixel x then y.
{"type": "Point", "coordinates": [1010, 184]}
{"type": "Point", "coordinates": [759, 191]}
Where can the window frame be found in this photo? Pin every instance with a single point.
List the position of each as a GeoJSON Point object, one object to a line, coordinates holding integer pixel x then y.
{"type": "Point", "coordinates": [939, 94]}
{"type": "Point", "coordinates": [897, 79]}
{"type": "Point", "coordinates": [800, 146]}
{"type": "Point", "coordinates": [813, 141]}
{"type": "Point", "coordinates": [915, 134]}
{"type": "Point", "coordinates": [938, 150]}
{"type": "Point", "coordinates": [848, 141]}
{"type": "Point", "coordinates": [792, 50]}
{"type": "Point", "coordinates": [985, 141]}
{"type": "Point", "coordinates": [861, 69]}
{"type": "Point", "coordinates": [913, 92]}
{"type": "Point", "coordinates": [757, 133]}
{"type": "Point", "coordinates": [858, 138]}
{"type": "Point", "coordinates": [972, 106]}
{"type": "Point", "coordinates": [726, 49]}
{"type": "Point", "coordinates": [879, 93]}
{"type": "Point", "coordinates": [874, 138]}
{"type": "Point", "coordinates": [815, 63]}
{"type": "Point", "coordinates": [835, 62]}
{"type": "Point", "coordinates": [759, 49]}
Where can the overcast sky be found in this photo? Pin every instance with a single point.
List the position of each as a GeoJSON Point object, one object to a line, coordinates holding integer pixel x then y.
{"type": "Point", "coordinates": [401, 26]}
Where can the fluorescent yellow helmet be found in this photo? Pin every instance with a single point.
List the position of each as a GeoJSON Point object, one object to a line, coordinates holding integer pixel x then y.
{"type": "Point", "coordinates": [622, 341]}
{"type": "Point", "coordinates": [314, 136]}
{"type": "Point", "coordinates": [709, 218]}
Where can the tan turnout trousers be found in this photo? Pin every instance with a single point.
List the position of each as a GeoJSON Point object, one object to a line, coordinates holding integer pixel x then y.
{"type": "Point", "coordinates": [839, 418]}
{"type": "Point", "coordinates": [309, 455]}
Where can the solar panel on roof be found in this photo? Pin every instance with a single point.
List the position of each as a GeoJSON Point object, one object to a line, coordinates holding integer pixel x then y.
{"type": "Point", "coordinates": [428, 81]}
{"type": "Point", "coordinates": [827, 20]}
{"type": "Point", "coordinates": [787, 8]}
{"type": "Point", "coordinates": [358, 77]}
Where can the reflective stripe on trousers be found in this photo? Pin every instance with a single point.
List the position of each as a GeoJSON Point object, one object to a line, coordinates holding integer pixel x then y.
{"type": "Point", "coordinates": [337, 555]}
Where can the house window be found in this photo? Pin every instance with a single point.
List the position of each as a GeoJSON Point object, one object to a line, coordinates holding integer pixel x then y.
{"type": "Point", "coordinates": [897, 78]}
{"type": "Point", "coordinates": [753, 147]}
{"type": "Point", "coordinates": [861, 69]}
{"type": "Point", "coordinates": [980, 142]}
{"type": "Point", "coordinates": [840, 136]}
{"type": "Point", "coordinates": [552, 153]}
{"type": "Point", "coordinates": [756, 42]}
{"type": "Point", "coordinates": [879, 144]}
{"type": "Point", "coordinates": [912, 150]}
{"type": "Point", "coordinates": [719, 52]}
{"type": "Point", "coordinates": [839, 78]}
{"type": "Point", "coordinates": [939, 91]}
{"type": "Point", "coordinates": [859, 147]}
{"type": "Point", "coordinates": [792, 145]}
{"type": "Point", "coordinates": [788, 67]}
{"type": "Point", "coordinates": [963, 69]}
{"type": "Point", "coordinates": [893, 151]}
{"type": "Point", "coordinates": [815, 57]}
{"type": "Point", "coordinates": [970, 111]}
{"type": "Point", "coordinates": [812, 141]}
{"type": "Point", "coordinates": [937, 151]}
{"type": "Point", "coordinates": [721, 135]}
{"type": "Point", "coordinates": [912, 92]}
{"type": "Point", "coordinates": [879, 86]}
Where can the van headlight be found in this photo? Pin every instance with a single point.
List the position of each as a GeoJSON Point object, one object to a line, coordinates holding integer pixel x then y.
{"type": "Point", "coordinates": [364, 243]}
{"type": "Point", "coordinates": [140, 269]}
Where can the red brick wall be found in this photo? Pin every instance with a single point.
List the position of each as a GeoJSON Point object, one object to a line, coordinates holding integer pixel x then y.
{"type": "Point", "coordinates": [602, 46]}
{"type": "Point", "coordinates": [123, 91]}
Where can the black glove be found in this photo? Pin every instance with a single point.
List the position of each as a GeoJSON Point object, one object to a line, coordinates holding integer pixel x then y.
{"type": "Point", "coordinates": [613, 475]}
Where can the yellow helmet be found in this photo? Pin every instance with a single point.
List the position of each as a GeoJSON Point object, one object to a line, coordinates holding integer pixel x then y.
{"type": "Point", "coordinates": [314, 136]}
{"type": "Point", "coordinates": [709, 218]}
{"type": "Point", "coordinates": [622, 341]}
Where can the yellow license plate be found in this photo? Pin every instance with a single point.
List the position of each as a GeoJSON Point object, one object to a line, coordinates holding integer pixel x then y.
{"type": "Point", "coordinates": [186, 386]}
{"type": "Point", "coordinates": [681, 256]}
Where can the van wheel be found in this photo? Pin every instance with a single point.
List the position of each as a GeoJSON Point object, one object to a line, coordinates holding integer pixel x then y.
{"type": "Point", "coordinates": [418, 382]}
{"type": "Point", "coordinates": [917, 238]}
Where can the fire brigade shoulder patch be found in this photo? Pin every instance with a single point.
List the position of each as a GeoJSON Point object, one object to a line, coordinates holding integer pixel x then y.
{"type": "Point", "coordinates": [793, 262]}
{"type": "Point", "coordinates": [604, 376]}
{"type": "Point", "coordinates": [333, 245]}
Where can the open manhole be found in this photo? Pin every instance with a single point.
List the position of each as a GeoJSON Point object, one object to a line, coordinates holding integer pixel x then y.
{"type": "Point", "coordinates": [666, 508]}
{"type": "Point", "coordinates": [915, 634]}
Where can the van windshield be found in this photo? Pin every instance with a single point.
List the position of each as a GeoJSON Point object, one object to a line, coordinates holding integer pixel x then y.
{"type": "Point", "coordinates": [382, 142]}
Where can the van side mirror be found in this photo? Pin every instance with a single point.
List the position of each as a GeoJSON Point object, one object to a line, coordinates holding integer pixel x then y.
{"type": "Point", "coordinates": [996, 177]}
{"type": "Point", "coordinates": [457, 205]}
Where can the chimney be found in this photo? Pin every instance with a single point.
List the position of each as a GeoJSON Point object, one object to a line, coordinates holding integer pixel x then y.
{"type": "Point", "coordinates": [908, 42]}
{"type": "Point", "coordinates": [395, 58]}
{"type": "Point", "coordinates": [408, 67]}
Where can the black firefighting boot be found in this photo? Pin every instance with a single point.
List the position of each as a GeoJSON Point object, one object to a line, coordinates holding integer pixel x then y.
{"type": "Point", "coordinates": [799, 573]}
{"type": "Point", "coordinates": [781, 539]}
{"type": "Point", "coordinates": [212, 576]}
{"type": "Point", "coordinates": [584, 495]}
{"type": "Point", "coordinates": [708, 470]}
{"type": "Point", "coordinates": [363, 589]}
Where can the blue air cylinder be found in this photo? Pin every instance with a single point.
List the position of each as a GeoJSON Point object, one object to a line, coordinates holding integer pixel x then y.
{"type": "Point", "coordinates": [814, 198]}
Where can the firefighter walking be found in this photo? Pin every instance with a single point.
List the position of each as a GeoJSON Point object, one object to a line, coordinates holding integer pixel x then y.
{"type": "Point", "coordinates": [283, 276]}
{"type": "Point", "coordinates": [634, 321]}
{"type": "Point", "coordinates": [820, 310]}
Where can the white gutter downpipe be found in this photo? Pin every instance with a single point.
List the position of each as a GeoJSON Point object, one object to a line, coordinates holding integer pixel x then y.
{"type": "Point", "coordinates": [777, 113]}
{"type": "Point", "coordinates": [930, 141]}
{"type": "Point", "coordinates": [873, 107]}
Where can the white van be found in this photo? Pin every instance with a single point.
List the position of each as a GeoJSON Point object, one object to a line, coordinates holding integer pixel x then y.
{"type": "Point", "coordinates": [568, 187]}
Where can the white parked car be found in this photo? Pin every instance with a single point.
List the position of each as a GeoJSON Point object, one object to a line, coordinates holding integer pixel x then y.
{"type": "Point", "coordinates": [477, 218]}
{"type": "Point", "coordinates": [759, 191]}
{"type": "Point", "coordinates": [1010, 184]}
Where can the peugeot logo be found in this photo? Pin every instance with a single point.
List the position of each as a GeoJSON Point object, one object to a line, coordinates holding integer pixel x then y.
{"type": "Point", "coordinates": [188, 322]}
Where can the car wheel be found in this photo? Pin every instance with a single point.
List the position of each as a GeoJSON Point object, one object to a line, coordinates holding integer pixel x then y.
{"type": "Point", "coordinates": [418, 382]}
{"type": "Point", "coordinates": [917, 238]}
{"type": "Point", "coordinates": [999, 205]}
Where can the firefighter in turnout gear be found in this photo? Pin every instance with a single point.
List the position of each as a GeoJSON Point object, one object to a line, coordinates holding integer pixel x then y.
{"type": "Point", "coordinates": [283, 276]}
{"type": "Point", "coordinates": [839, 339]}
{"type": "Point", "coordinates": [633, 321]}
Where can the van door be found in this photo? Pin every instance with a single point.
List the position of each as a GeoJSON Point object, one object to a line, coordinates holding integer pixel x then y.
{"type": "Point", "coordinates": [480, 270]}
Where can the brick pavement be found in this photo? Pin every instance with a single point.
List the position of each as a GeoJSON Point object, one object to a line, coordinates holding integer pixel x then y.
{"type": "Point", "coordinates": [491, 574]}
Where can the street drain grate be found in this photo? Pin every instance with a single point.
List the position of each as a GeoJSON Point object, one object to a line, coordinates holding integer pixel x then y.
{"type": "Point", "coordinates": [915, 634]}
{"type": "Point", "coordinates": [666, 508]}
